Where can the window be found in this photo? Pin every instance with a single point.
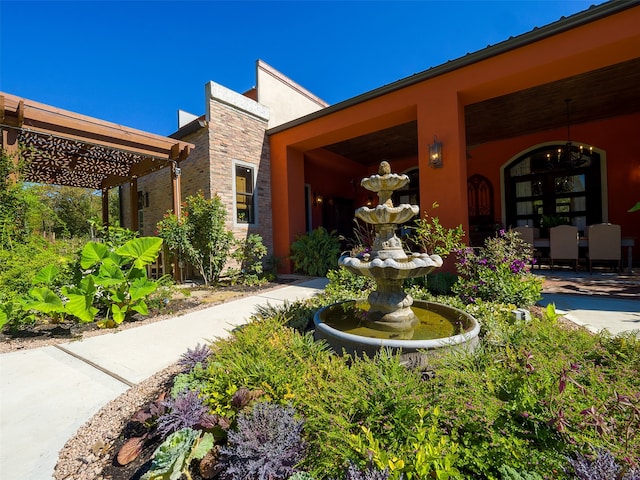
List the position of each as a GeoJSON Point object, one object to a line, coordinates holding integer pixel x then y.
{"type": "Point", "coordinates": [245, 189]}
{"type": "Point", "coordinates": [541, 192]}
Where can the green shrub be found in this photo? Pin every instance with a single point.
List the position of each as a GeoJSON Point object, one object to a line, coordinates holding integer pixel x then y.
{"type": "Point", "coordinates": [315, 253]}
{"type": "Point", "coordinates": [345, 285]}
{"type": "Point", "coordinates": [439, 283]}
{"type": "Point", "coordinates": [199, 236]}
{"type": "Point", "coordinates": [433, 238]}
{"type": "Point", "coordinates": [498, 272]}
{"type": "Point", "coordinates": [19, 266]}
{"type": "Point", "coordinates": [114, 282]}
{"type": "Point", "coordinates": [249, 255]}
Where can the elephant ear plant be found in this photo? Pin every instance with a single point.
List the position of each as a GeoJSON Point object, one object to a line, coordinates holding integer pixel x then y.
{"type": "Point", "coordinates": [114, 282]}
{"type": "Point", "coordinates": [120, 277]}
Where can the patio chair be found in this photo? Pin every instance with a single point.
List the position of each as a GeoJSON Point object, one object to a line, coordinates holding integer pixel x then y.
{"type": "Point", "coordinates": [528, 234]}
{"type": "Point", "coordinates": [563, 244]}
{"type": "Point", "coordinates": [604, 244]}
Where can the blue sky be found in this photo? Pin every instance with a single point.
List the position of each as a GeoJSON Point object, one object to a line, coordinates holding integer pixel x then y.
{"type": "Point", "coordinates": [137, 63]}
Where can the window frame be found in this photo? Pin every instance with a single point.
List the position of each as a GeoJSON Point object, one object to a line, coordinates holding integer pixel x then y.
{"type": "Point", "coordinates": [254, 169]}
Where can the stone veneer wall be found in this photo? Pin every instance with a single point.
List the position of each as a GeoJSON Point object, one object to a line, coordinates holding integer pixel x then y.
{"type": "Point", "coordinates": [194, 178]}
{"type": "Point", "coordinates": [236, 135]}
{"type": "Point", "coordinates": [232, 134]}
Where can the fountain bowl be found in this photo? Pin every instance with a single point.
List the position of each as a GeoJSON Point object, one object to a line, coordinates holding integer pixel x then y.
{"type": "Point", "coordinates": [416, 352]}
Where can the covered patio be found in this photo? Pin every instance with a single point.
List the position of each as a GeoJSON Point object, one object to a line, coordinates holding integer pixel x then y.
{"type": "Point", "coordinates": [573, 83]}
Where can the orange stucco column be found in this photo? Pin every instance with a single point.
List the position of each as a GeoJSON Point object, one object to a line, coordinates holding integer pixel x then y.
{"type": "Point", "coordinates": [287, 197]}
{"type": "Point", "coordinates": [443, 117]}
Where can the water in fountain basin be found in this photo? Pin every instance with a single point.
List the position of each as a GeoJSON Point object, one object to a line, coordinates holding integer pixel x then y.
{"type": "Point", "coordinates": [349, 317]}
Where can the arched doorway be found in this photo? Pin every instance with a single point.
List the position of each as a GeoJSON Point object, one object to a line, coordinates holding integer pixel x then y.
{"type": "Point", "coordinates": [543, 188]}
{"type": "Point", "coordinates": [481, 210]}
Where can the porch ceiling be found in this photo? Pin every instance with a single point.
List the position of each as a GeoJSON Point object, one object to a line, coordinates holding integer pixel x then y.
{"type": "Point", "coordinates": [599, 94]}
{"type": "Point", "coordinates": [65, 148]}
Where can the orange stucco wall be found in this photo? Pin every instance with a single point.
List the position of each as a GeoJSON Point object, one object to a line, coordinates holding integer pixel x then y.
{"type": "Point", "coordinates": [438, 106]}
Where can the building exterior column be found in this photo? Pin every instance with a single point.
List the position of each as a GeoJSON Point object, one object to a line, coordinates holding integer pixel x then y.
{"type": "Point", "coordinates": [287, 190]}
{"type": "Point", "coordinates": [443, 117]}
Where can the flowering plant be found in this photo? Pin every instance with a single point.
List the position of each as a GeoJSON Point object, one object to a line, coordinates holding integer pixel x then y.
{"type": "Point", "coordinates": [499, 271]}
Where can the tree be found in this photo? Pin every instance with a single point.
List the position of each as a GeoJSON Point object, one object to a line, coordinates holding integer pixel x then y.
{"type": "Point", "coordinates": [67, 210]}
{"type": "Point", "coordinates": [200, 236]}
{"type": "Point", "coordinates": [13, 204]}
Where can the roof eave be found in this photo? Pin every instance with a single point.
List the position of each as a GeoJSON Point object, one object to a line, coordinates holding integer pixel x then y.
{"type": "Point", "coordinates": [592, 14]}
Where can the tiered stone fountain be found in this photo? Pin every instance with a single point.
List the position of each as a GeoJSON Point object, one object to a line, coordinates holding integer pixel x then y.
{"type": "Point", "coordinates": [390, 317]}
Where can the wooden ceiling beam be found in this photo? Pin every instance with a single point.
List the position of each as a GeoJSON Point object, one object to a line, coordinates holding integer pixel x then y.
{"type": "Point", "coordinates": [46, 118]}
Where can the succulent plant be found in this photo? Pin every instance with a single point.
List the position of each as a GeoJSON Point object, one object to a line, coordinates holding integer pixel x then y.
{"type": "Point", "coordinates": [369, 473]}
{"type": "Point", "coordinates": [602, 467]}
{"type": "Point", "coordinates": [185, 411]}
{"type": "Point", "coordinates": [302, 476]}
{"type": "Point", "coordinates": [266, 445]}
{"type": "Point", "coordinates": [191, 358]}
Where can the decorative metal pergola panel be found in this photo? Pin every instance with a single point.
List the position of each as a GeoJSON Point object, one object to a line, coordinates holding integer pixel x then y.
{"type": "Point", "coordinates": [64, 161]}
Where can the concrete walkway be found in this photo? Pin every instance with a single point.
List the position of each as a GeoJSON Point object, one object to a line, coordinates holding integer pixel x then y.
{"type": "Point", "coordinates": [48, 393]}
{"type": "Point", "coordinates": [596, 313]}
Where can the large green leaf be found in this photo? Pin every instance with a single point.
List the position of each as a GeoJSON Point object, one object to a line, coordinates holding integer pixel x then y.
{"type": "Point", "coordinates": [81, 306]}
{"type": "Point", "coordinates": [81, 299]}
{"type": "Point", "coordinates": [93, 253]}
{"type": "Point", "coordinates": [169, 458]}
{"type": "Point", "coordinates": [142, 250]}
{"type": "Point", "coordinates": [635, 208]}
{"type": "Point", "coordinates": [109, 274]}
{"type": "Point", "coordinates": [43, 300]}
{"type": "Point", "coordinates": [141, 308]}
{"type": "Point", "coordinates": [118, 313]}
{"type": "Point", "coordinates": [46, 275]}
{"type": "Point", "coordinates": [141, 287]}
{"type": "Point", "coordinates": [137, 273]}
{"type": "Point", "coordinates": [5, 313]}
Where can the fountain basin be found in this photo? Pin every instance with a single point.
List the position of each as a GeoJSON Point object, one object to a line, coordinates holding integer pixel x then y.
{"type": "Point", "coordinates": [382, 214]}
{"type": "Point", "coordinates": [416, 265]}
{"type": "Point", "coordinates": [441, 327]}
{"type": "Point", "coordinates": [384, 183]}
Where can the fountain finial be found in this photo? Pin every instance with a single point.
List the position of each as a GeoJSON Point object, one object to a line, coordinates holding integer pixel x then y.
{"type": "Point", "coordinates": [385, 168]}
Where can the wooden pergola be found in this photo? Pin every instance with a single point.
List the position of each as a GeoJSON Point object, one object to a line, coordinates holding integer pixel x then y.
{"type": "Point", "coordinates": [65, 148]}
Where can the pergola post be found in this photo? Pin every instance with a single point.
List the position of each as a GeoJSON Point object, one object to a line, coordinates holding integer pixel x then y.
{"type": "Point", "coordinates": [176, 191]}
{"type": "Point", "coordinates": [133, 204]}
{"type": "Point", "coordinates": [105, 207]}
{"type": "Point", "coordinates": [177, 210]}
{"type": "Point", "coordinates": [10, 146]}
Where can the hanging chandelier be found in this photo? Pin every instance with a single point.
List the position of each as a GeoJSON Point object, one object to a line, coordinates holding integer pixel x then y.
{"type": "Point", "coordinates": [570, 156]}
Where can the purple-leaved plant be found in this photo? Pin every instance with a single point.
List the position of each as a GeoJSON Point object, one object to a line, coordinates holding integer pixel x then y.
{"type": "Point", "coordinates": [191, 358]}
{"type": "Point", "coordinates": [370, 473]}
{"type": "Point", "coordinates": [186, 410]}
{"type": "Point", "coordinates": [267, 444]}
{"type": "Point", "coordinates": [602, 467]}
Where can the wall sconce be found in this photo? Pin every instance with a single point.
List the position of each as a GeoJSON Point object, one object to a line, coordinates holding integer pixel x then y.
{"type": "Point", "coordinates": [435, 153]}
{"type": "Point", "coordinates": [317, 199]}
